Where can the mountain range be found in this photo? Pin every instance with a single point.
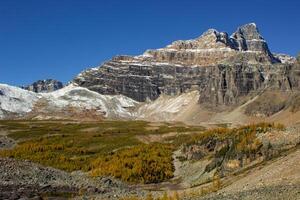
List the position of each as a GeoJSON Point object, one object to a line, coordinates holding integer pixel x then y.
{"type": "Point", "coordinates": [214, 78]}
{"type": "Point", "coordinates": [215, 117]}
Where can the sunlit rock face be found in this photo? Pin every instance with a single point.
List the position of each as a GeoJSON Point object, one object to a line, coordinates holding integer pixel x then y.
{"type": "Point", "coordinates": [222, 68]}
{"type": "Point", "coordinates": [215, 47]}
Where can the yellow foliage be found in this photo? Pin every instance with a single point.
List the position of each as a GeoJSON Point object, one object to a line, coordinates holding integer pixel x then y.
{"type": "Point", "coordinates": [165, 197]}
{"type": "Point", "coordinates": [216, 184]}
{"type": "Point", "coordinates": [143, 163]}
{"type": "Point", "coordinates": [175, 196]}
{"type": "Point", "coordinates": [130, 198]}
{"type": "Point", "coordinates": [149, 197]}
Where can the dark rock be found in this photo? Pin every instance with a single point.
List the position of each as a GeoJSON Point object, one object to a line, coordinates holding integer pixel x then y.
{"type": "Point", "coordinates": [91, 190]}
{"type": "Point", "coordinates": [48, 85]}
{"type": "Point", "coordinates": [108, 182]}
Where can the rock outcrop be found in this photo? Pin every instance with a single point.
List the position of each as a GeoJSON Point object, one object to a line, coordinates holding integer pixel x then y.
{"type": "Point", "coordinates": [223, 69]}
{"type": "Point", "coordinates": [48, 85]}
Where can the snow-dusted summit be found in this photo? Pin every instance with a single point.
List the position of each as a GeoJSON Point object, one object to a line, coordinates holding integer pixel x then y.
{"type": "Point", "coordinates": [16, 102]}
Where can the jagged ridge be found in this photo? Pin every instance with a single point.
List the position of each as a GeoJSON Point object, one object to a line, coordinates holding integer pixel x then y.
{"type": "Point", "coordinates": [223, 69]}
{"type": "Point", "coordinates": [48, 85]}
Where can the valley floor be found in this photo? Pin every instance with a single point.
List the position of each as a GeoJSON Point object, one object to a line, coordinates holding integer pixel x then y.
{"type": "Point", "coordinates": [65, 159]}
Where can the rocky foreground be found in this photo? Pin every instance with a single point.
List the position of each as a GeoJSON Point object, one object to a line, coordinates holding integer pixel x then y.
{"type": "Point", "coordinates": [23, 179]}
{"type": "Point", "coordinates": [281, 192]}
{"type": "Point", "coordinates": [278, 180]}
{"type": "Point", "coordinates": [27, 180]}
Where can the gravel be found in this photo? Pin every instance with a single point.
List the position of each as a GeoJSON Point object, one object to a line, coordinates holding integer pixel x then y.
{"type": "Point", "coordinates": [25, 179]}
{"type": "Point", "coordinates": [280, 192]}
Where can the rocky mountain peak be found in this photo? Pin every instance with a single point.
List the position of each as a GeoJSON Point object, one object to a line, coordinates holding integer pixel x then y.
{"type": "Point", "coordinates": [220, 67]}
{"type": "Point", "coordinates": [211, 39]}
{"type": "Point", "coordinates": [213, 47]}
{"type": "Point", "coordinates": [248, 38]}
{"type": "Point", "coordinates": [247, 32]}
{"type": "Point", "coordinates": [47, 85]}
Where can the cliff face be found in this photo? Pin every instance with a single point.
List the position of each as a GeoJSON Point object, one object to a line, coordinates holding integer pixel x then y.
{"type": "Point", "coordinates": [48, 85]}
{"type": "Point", "coordinates": [223, 69]}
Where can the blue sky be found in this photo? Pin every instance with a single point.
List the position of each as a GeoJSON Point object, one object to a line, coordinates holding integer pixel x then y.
{"type": "Point", "coordinates": [59, 38]}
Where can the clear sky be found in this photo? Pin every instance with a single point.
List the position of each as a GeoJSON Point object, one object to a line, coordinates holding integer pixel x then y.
{"type": "Point", "coordinates": [57, 39]}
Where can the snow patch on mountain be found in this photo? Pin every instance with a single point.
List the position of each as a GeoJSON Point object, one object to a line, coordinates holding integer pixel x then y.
{"type": "Point", "coordinates": [284, 58]}
{"type": "Point", "coordinates": [19, 101]}
{"type": "Point", "coordinates": [16, 100]}
{"type": "Point", "coordinates": [78, 97]}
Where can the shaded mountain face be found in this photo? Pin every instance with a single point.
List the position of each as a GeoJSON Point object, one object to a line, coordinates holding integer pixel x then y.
{"type": "Point", "coordinates": [224, 69]}
{"type": "Point", "coordinates": [48, 85]}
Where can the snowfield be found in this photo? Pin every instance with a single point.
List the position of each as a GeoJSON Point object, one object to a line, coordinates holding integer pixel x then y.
{"type": "Point", "coordinates": [18, 101]}
{"type": "Point", "coordinates": [78, 97]}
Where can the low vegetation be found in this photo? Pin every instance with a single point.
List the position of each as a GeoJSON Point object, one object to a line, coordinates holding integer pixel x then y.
{"type": "Point", "coordinates": [165, 196]}
{"type": "Point", "coordinates": [112, 148]}
{"type": "Point", "coordinates": [104, 148]}
{"type": "Point", "coordinates": [214, 186]}
{"type": "Point", "coordinates": [240, 132]}
{"type": "Point", "coordinates": [236, 145]}
{"type": "Point", "coordinates": [143, 163]}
